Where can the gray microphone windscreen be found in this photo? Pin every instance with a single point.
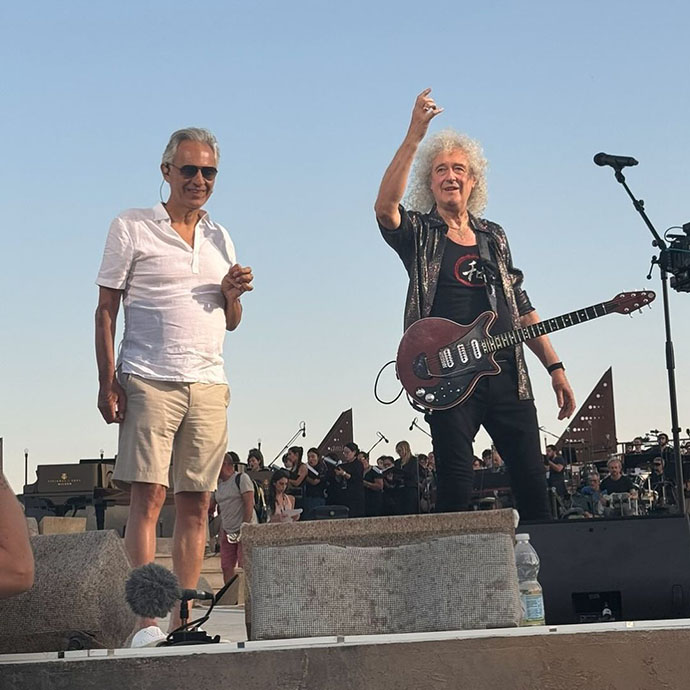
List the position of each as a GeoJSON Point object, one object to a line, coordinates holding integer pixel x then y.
{"type": "Point", "coordinates": [152, 590]}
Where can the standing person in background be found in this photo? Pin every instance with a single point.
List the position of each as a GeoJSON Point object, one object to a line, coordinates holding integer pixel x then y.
{"type": "Point", "coordinates": [176, 273]}
{"type": "Point", "coordinates": [392, 486]}
{"type": "Point", "coordinates": [235, 500]}
{"type": "Point", "coordinates": [349, 476]}
{"type": "Point", "coordinates": [298, 474]}
{"type": "Point", "coordinates": [425, 481]}
{"type": "Point", "coordinates": [555, 467]}
{"type": "Point", "coordinates": [409, 468]}
{"type": "Point", "coordinates": [315, 484]}
{"type": "Point", "coordinates": [281, 506]}
{"type": "Point", "coordinates": [373, 487]}
{"type": "Point", "coordinates": [255, 460]}
{"type": "Point", "coordinates": [16, 556]}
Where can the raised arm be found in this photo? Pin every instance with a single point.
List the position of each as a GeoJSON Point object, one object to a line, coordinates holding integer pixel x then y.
{"type": "Point", "coordinates": [112, 400]}
{"type": "Point", "coordinates": [394, 179]}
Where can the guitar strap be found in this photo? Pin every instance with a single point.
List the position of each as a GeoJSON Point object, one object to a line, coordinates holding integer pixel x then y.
{"type": "Point", "coordinates": [489, 268]}
{"type": "Point", "coordinates": [419, 280]}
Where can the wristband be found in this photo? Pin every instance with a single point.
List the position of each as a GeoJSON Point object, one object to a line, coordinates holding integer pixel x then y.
{"type": "Point", "coordinates": [556, 365]}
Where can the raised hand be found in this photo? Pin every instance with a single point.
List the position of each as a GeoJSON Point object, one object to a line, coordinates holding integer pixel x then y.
{"type": "Point", "coordinates": [424, 111]}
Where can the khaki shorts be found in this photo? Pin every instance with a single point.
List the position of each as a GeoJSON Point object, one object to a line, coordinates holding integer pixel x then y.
{"type": "Point", "coordinates": [164, 420]}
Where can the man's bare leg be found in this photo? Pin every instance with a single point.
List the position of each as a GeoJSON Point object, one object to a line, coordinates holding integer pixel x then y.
{"type": "Point", "coordinates": [146, 501]}
{"type": "Point", "coordinates": [189, 541]}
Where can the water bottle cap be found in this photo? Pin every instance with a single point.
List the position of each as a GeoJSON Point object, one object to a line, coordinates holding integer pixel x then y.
{"type": "Point", "coordinates": [522, 537]}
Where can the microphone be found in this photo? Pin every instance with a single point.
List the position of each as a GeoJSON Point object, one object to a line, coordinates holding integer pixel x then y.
{"type": "Point", "coordinates": [303, 429]}
{"type": "Point", "coordinates": [187, 594]}
{"type": "Point", "coordinates": [152, 590]}
{"type": "Point", "coordinates": [414, 424]}
{"type": "Point", "coordinates": [382, 436]}
{"type": "Point", "coordinates": [616, 162]}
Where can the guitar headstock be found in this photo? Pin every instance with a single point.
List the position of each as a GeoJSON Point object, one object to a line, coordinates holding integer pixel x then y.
{"type": "Point", "coordinates": [628, 302]}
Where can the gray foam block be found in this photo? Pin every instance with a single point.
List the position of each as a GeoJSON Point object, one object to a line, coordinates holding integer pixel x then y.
{"type": "Point", "coordinates": [78, 597]}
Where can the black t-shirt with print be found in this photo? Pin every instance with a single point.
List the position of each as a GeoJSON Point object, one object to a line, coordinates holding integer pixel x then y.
{"type": "Point", "coordinates": [461, 294]}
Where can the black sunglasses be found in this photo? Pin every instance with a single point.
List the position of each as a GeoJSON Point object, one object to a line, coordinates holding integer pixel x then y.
{"type": "Point", "coordinates": [190, 171]}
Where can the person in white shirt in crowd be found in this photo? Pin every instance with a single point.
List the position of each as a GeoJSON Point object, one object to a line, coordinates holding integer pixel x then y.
{"type": "Point", "coordinates": [175, 271]}
{"type": "Point", "coordinates": [235, 500]}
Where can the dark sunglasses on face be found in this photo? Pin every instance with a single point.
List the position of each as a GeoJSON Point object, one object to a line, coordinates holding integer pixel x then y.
{"type": "Point", "coordinates": [190, 171]}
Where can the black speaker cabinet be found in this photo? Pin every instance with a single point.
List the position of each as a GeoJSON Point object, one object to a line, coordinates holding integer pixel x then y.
{"type": "Point", "coordinates": [614, 569]}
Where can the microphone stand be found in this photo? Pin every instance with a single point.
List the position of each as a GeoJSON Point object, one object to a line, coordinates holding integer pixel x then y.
{"type": "Point", "coordinates": [188, 632]}
{"type": "Point", "coordinates": [661, 262]}
{"type": "Point", "coordinates": [302, 430]}
{"type": "Point", "coordinates": [414, 425]}
{"type": "Point", "coordinates": [381, 438]}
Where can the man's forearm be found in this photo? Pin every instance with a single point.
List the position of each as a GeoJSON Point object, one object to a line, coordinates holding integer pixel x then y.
{"type": "Point", "coordinates": [105, 345]}
{"type": "Point", "coordinates": [394, 182]}
{"type": "Point", "coordinates": [541, 346]}
{"type": "Point", "coordinates": [233, 313]}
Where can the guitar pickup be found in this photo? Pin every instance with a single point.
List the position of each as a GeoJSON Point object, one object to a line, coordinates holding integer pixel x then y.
{"type": "Point", "coordinates": [462, 353]}
{"type": "Point", "coordinates": [446, 358]}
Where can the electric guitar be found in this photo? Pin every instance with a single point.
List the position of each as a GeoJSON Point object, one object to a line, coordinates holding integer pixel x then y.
{"type": "Point", "coordinates": [439, 362]}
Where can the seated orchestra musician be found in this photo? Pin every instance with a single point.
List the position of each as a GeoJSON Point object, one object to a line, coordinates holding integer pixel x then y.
{"type": "Point", "coordinates": [617, 482]}
{"type": "Point", "coordinates": [591, 491]}
{"type": "Point", "coordinates": [661, 483]}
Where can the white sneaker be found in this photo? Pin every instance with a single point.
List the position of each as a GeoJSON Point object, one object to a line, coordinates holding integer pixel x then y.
{"type": "Point", "coordinates": [148, 637]}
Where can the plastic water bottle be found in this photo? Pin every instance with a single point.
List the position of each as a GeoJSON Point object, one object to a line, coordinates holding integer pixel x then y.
{"type": "Point", "coordinates": [531, 596]}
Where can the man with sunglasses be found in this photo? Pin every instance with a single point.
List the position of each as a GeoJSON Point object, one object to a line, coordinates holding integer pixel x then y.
{"type": "Point", "coordinates": [175, 271]}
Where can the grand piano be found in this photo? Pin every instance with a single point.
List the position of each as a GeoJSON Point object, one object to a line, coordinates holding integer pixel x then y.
{"type": "Point", "coordinates": [65, 488]}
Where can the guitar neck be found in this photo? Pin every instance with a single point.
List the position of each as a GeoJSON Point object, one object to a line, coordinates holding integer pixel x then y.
{"type": "Point", "coordinates": [557, 323]}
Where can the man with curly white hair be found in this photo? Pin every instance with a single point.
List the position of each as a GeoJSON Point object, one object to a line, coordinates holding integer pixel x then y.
{"type": "Point", "coordinates": [460, 266]}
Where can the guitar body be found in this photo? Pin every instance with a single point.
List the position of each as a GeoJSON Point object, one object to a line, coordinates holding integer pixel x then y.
{"type": "Point", "coordinates": [440, 362]}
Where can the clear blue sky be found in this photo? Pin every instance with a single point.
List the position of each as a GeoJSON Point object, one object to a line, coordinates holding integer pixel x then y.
{"type": "Point", "coordinates": [309, 101]}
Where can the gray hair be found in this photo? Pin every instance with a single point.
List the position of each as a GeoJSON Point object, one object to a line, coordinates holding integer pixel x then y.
{"type": "Point", "coordinates": [189, 134]}
{"type": "Point", "coordinates": [419, 196]}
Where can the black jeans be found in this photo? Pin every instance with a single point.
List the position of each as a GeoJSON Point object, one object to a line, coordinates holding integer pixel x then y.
{"type": "Point", "coordinates": [512, 424]}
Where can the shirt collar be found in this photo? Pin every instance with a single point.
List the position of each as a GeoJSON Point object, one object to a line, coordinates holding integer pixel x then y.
{"type": "Point", "coordinates": [160, 213]}
{"type": "Point", "coordinates": [435, 221]}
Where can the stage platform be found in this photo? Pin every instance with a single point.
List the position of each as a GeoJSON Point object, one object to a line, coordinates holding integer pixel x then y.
{"type": "Point", "coordinates": [642, 655]}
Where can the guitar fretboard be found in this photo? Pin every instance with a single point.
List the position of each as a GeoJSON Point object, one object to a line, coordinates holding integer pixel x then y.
{"type": "Point", "coordinates": [557, 323]}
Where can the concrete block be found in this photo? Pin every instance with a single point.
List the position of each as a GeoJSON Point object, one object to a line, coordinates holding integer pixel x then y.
{"type": "Point", "coordinates": [32, 525]}
{"type": "Point", "coordinates": [62, 525]}
{"type": "Point", "coordinates": [383, 532]}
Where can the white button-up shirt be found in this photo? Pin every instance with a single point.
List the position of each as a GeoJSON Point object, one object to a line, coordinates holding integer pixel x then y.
{"type": "Point", "coordinates": [174, 308]}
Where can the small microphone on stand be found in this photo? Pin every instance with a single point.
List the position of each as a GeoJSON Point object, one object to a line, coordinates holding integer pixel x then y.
{"type": "Point", "coordinates": [414, 424]}
{"type": "Point", "coordinates": [303, 429]}
{"type": "Point", "coordinates": [381, 436]}
{"type": "Point", "coordinates": [616, 162]}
